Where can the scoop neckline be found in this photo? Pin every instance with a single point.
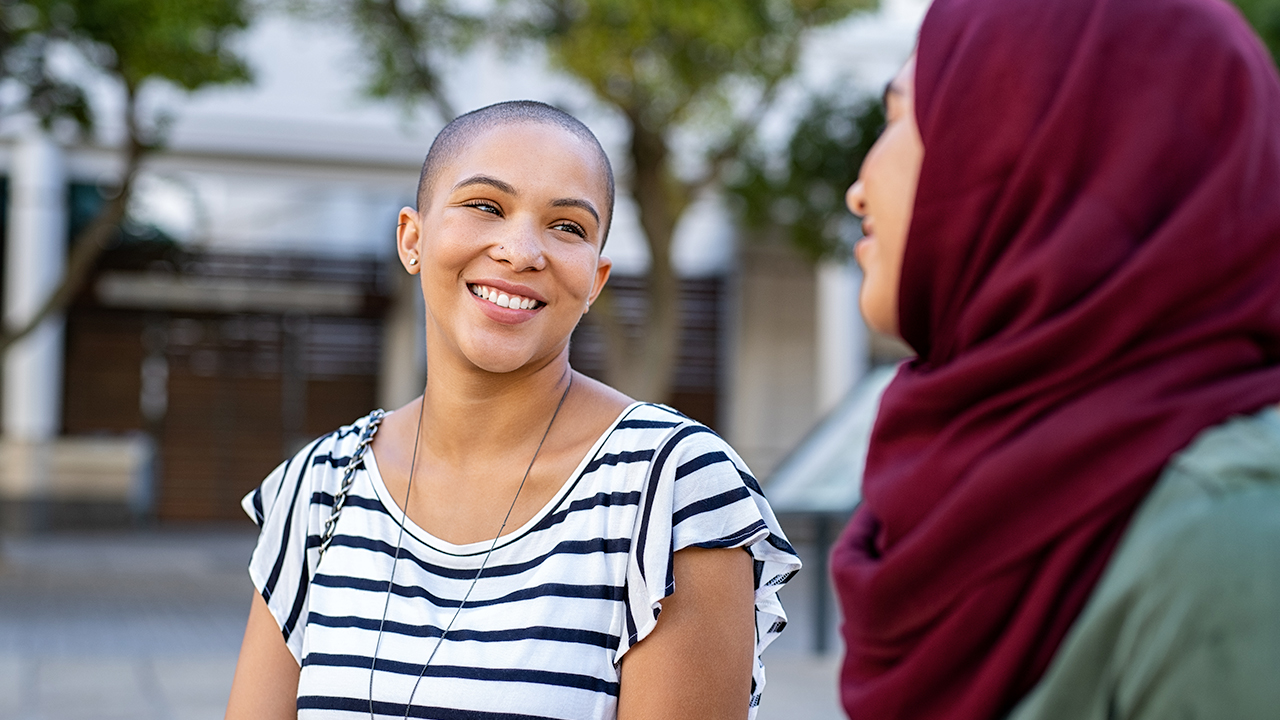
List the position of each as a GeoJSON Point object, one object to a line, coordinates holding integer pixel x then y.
{"type": "Point", "coordinates": [398, 515]}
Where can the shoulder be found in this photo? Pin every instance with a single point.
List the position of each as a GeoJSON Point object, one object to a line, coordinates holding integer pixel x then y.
{"type": "Point", "coordinates": [663, 433]}
{"type": "Point", "coordinates": [315, 466]}
{"type": "Point", "coordinates": [689, 464]}
{"type": "Point", "coordinates": [663, 424]}
{"type": "Point", "coordinates": [686, 442]}
{"type": "Point", "coordinates": [335, 449]}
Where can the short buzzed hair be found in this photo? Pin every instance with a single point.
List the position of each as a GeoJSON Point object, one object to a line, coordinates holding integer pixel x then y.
{"type": "Point", "coordinates": [464, 128]}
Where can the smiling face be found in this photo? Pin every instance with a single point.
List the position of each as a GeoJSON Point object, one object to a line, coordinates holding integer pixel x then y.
{"type": "Point", "coordinates": [509, 246]}
{"type": "Point", "coordinates": [883, 197]}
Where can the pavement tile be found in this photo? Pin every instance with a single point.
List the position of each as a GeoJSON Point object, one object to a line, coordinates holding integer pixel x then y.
{"type": "Point", "coordinates": [13, 682]}
{"type": "Point", "coordinates": [190, 686]}
{"type": "Point", "coordinates": [90, 689]}
{"type": "Point", "coordinates": [800, 686]}
{"type": "Point", "coordinates": [195, 711]}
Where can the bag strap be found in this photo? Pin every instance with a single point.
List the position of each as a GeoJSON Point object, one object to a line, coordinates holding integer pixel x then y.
{"type": "Point", "coordinates": [348, 476]}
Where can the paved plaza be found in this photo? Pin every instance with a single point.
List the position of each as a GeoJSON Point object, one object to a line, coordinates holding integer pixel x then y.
{"type": "Point", "coordinates": [146, 625]}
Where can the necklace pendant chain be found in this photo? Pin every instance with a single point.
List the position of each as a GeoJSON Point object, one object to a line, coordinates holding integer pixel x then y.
{"type": "Point", "coordinates": [346, 482]}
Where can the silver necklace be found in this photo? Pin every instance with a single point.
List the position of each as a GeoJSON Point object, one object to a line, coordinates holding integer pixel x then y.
{"type": "Point", "coordinates": [404, 516]}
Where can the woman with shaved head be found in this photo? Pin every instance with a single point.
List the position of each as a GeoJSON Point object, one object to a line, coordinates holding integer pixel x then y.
{"type": "Point", "coordinates": [1072, 496]}
{"type": "Point", "coordinates": [502, 546]}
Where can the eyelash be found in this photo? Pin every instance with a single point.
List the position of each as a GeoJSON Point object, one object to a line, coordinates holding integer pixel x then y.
{"type": "Point", "coordinates": [572, 227]}
{"type": "Point", "coordinates": [481, 205]}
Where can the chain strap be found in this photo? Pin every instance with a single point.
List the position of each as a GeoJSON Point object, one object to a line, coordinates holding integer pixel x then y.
{"type": "Point", "coordinates": [348, 476]}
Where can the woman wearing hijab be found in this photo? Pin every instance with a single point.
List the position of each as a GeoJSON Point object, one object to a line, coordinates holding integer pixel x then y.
{"type": "Point", "coordinates": [1072, 495]}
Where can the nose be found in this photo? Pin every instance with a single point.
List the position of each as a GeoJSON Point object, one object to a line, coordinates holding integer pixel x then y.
{"type": "Point", "coordinates": [521, 248]}
{"type": "Point", "coordinates": [856, 200]}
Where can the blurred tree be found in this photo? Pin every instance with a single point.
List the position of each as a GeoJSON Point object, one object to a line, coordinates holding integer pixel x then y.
{"type": "Point", "coordinates": [799, 191]}
{"type": "Point", "coordinates": [128, 43]}
{"type": "Point", "coordinates": [1264, 16]}
{"type": "Point", "coordinates": [704, 70]}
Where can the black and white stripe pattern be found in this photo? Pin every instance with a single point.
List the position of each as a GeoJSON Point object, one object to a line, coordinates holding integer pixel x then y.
{"type": "Point", "coordinates": [561, 601]}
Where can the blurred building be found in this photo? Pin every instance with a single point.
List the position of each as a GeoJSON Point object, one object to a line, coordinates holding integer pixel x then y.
{"type": "Point", "coordinates": [254, 301]}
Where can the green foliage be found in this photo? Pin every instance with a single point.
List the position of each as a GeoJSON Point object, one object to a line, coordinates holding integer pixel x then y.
{"type": "Point", "coordinates": [405, 46]}
{"type": "Point", "coordinates": [1264, 16]}
{"type": "Point", "coordinates": [801, 191]}
{"type": "Point", "coordinates": [132, 41]}
{"type": "Point", "coordinates": [23, 62]}
{"type": "Point", "coordinates": [653, 59]}
{"type": "Point", "coordinates": [185, 43]}
{"type": "Point", "coordinates": [656, 58]}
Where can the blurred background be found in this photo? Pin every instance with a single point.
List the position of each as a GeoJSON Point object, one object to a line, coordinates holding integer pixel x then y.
{"type": "Point", "coordinates": [197, 275]}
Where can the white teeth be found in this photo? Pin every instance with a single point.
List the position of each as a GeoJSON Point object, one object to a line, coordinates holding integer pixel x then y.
{"type": "Point", "coordinates": [502, 299]}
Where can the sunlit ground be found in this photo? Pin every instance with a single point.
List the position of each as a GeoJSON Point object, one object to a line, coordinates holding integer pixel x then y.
{"type": "Point", "coordinates": [146, 626]}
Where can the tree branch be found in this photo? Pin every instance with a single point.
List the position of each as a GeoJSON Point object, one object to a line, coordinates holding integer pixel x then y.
{"type": "Point", "coordinates": [408, 39]}
{"type": "Point", "coordinates": [93, 240]}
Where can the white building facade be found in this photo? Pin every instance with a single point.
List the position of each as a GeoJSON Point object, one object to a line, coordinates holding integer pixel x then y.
{"type": "Point", "coordinates": [264, 306]}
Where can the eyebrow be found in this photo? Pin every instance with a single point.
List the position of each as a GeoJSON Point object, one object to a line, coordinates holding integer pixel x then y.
{"type": "Point", "coordinates": [574, 202]}
{"type": "Point", "coordinates": [493, 182]}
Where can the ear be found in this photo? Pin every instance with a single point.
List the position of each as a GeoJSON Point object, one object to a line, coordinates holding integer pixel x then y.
{"type": "Point", "coordinates": [603, 267]}
{"type": "Point", "coordinates": [409, 241]}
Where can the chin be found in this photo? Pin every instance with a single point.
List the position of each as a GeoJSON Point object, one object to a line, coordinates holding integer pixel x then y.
{"type": "Point", "coordinates": [879, 316]}
{"type": "Point", "coordinates": [498, 357]}
{"type": "Point", "coordinates": [499, 363]}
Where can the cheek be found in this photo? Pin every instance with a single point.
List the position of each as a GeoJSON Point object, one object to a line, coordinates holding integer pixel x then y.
{"type": "Point", "coordinates": [579, 271]}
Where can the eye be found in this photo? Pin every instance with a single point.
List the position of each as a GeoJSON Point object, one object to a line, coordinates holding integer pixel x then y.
{"type": "Point", "coordinates": [485, 206]}
{"type": "Point", "coordinates": [570, 227]}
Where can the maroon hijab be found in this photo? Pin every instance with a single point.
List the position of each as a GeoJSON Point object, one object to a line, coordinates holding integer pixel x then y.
{"type": "Point", "coordinates": [1092, 277]}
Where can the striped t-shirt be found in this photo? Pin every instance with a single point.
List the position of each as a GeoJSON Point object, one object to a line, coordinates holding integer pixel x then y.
{"type": "Point", "coordinates": [561, 599]}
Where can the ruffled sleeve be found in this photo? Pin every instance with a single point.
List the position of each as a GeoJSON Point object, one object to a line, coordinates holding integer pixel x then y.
{"type": "Point", "coordinates": [699, 493]}
{"type": "Point", "coordinates": [284, 560]}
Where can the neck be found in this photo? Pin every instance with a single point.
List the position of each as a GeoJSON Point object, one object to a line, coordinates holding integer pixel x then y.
{"type": "Point", "coordinates": [465, 413]}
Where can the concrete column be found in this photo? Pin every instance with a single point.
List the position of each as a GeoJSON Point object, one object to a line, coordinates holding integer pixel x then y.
{"type": "Point", "coordinates": [35, 261]}
{"type": "Point", "coordinates": [842, 354]}
{"type": "Point", "coordinates": [774, 343]}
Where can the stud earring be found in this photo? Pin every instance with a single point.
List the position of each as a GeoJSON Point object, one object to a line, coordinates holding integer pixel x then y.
{"type": "Point", "coordinates": [413, 261]}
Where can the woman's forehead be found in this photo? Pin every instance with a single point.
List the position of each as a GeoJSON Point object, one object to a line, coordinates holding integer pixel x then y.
{"type": "Point", "coordinates": [528, 155]}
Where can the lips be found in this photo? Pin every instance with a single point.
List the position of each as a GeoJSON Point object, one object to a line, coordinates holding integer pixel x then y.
{"type": "Point", "coordinates": [860, 250]}
{"type": "Point", "coordinates": [504, 299]}
{"type": "Point", "coordinates": [860, 247]}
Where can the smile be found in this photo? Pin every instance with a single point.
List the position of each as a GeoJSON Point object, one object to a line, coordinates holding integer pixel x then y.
{"type": "Point", "coordinates": [505, 300]}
